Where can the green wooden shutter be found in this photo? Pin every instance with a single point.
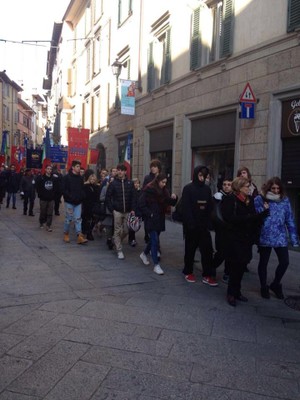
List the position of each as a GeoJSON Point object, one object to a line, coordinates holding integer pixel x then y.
{"type": "Point", "coordinates": [150, 70]}
{"type": "Point", "coordinates": [166, 67]}
{"type": "Point", "coordinates": [195, 57]}
{"type": "Point", "coordinates": [293, 15]}
{"type": "Point", "coordinates": [227, 28]}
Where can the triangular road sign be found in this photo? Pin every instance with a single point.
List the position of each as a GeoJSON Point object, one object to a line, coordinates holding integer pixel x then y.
{"type": "Point", "coordinates": [247, 96]}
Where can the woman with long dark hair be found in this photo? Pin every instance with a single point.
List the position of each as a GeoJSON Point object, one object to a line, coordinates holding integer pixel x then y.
{"type": "Point", "coordinates": [275, 231]}
{"type": "Point", "coordinates": [153, 204]}
{"type": "Point", "coordinates": [239, 212]}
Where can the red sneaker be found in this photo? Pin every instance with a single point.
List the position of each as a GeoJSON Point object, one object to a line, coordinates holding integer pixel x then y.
{"type": "Point", "coordinates": [208, 280]}
{"type": "Point", "coordinates": [190, 278]}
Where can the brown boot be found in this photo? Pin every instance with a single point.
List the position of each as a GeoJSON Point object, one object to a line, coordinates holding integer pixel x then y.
{"type": "Point", "coordinates": [66, 238]}
{"type": "Point", "coordinates": [81, 239]}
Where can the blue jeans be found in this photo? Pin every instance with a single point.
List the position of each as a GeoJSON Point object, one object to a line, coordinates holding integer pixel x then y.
{"type": "Point", "coordinates": [72, 213]}
{"type": "Point", "coordinates": [153, 245]}
{"type": "Point", "coordinates": [14, 198]}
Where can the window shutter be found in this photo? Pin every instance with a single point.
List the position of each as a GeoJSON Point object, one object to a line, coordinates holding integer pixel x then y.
{"type": "Point", "coordinates": [166, 67]}
{"type": "Point", "coordinates": [293, 15]}
{"type": "Point", "coordinates": [227, 28]}
{"type": "Point", "coordinates": [150, 70]}
{"type": "Point", "coordinates": [196, 41]}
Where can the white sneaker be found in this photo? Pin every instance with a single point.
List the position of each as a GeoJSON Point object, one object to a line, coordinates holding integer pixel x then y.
{"type": "Point", "coordinates": [157, 269]}
{"type": "Point", "coordinates": [121, 255]}
{"type": "Point", "coordinates": [144, 258]}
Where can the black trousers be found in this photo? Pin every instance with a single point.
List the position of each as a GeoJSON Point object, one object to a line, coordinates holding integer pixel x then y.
{"type": "Point", "coordinates": [236, 272]}
{"type": "Point", "coordinates": [283, 263]}
{"type": "Point", "coordinates": [201, 239]}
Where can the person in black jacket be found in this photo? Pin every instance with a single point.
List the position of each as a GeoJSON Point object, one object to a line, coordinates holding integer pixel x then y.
{"type": "Point", "coordinates": [92, 194]}
{"type": "Point", "coordinates": [73, 193]}
{"type": "Point", "coordinates": [27, 187]}
{"type": "Point", "coordinates": [58, 193]}
{"type": "Point", "coordinates": [119, 201]}
{"type": "Point", "coordinates": [239, 211]}
{"type": "Point", "coordinates": [46, 187]}
{"type": "Point", "coordinates": [153, 204]}
{"type": "Point", "coordinates": [197, 207]}
{"type": "Point", "coordinates": [12, 186]}
{"type": "Point", "coordinates": [155, 169]}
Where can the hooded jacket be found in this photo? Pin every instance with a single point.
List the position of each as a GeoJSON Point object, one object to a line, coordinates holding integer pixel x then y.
{"type": "Point", "coordinates": [197, 202]}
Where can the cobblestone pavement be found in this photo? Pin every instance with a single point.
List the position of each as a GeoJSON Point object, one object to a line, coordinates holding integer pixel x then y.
{"type": "Point", "coordinates": [77, 323]}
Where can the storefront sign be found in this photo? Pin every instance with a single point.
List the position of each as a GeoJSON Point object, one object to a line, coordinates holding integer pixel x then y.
{"type": "Point", "coordinates": [291, 118]}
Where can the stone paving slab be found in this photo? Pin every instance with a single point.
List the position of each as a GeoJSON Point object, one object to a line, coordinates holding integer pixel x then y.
{"type": "Point", "coordinates": [77, 323]}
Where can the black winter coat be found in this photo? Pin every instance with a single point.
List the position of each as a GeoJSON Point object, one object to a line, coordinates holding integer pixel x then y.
{"type": "Point", "coordinates": [244, 227]}
{"type": "Point", "coordinates": [13, 182]}
{"type": "Point", "coordinates": [196, 205]}
{"type": "Point", "coordinates": [153, 204]}
{"type": "Point", "coordinates": [72, 187]}
{"type": "Point", "coordinates": [120, 195]}
{"type": "Point", "coordinates": [92, 194]}
{"type": "Point", "coordinates": [27, 186]}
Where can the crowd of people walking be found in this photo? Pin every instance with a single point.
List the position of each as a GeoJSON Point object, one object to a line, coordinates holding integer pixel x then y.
{"type": "Point", "coordinates": [240, 215]}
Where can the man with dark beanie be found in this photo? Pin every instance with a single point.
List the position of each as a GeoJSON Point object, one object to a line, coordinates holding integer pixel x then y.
{"type": "Point", "coordinates": [197, 207]}
{"type": "Point", "coordinates": [73, 193]}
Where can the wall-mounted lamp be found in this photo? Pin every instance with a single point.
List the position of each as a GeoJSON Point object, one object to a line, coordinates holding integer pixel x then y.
{"type": "Point", "coordinates": [116, 70]}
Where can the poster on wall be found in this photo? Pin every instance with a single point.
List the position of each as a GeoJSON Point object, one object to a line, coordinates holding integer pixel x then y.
{"type": "Point", "coordinates": [78, 140]}
{"type": "Point", "coordinates": [127, 97]}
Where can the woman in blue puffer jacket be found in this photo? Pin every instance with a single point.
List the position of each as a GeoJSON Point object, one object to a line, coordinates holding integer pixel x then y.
{"type": "Point", "coordinates": [274, 234]}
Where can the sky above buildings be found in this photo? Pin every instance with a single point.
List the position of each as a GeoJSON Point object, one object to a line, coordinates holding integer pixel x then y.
{"type": "Point", "coordinates": [22, 20]}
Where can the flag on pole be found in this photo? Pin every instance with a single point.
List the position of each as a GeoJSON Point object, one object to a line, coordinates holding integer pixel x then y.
{"type": "Point", "coordinates": [4, 142]}
{"type": "Point", "coordinates": [127, 155]}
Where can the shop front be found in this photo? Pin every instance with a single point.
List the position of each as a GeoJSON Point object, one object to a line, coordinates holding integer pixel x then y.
{"type": "Point", "coordinates": [290, 168]}
{"type": "Point", "coordinates": [213, 145]}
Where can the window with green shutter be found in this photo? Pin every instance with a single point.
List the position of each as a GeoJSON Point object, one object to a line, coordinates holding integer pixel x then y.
{"type": "Point", "coordinates": [212, 32]}
{"type": "Point", "coordinates": [166, 64]}
{"type": "Point", "coordinates": [293, 15]}
{"type": "Point", "coordinates": [227, 28]}
{"type": "Point", "coordinates": [150, 69]}
{"type": "Point", "coordinates": [196, 41]}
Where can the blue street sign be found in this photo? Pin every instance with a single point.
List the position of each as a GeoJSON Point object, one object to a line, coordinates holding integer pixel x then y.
{"type": "Point", "coordinates": [247, 110]}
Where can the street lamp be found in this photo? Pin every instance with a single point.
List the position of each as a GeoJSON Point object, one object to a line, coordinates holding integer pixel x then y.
{"type": "Point", "coordinates": [116, 70]}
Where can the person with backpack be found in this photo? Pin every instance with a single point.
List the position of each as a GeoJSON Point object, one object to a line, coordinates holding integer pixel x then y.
{"type": "Point", "coordinates": [220, 229]}
{"type": "Point", "coordinates": [196, 208]}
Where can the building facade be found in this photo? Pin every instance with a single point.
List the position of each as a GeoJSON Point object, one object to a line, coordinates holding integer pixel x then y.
{"type": "Point", "coordinates": [191, 61]}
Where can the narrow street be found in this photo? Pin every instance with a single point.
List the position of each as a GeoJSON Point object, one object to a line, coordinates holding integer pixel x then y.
{"type": "Point", "coordinates": [76, 323]}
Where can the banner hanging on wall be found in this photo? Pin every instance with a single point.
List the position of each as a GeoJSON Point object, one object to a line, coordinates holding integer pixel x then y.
{"type": "Point", "coordinates": [128, 97]}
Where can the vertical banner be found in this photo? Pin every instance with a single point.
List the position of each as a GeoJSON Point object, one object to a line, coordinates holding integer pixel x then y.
{"type": "Point", "coordinates": [125, 153]}
{"type": "Point", "coordinates": [78, 146]}
{"type": "Point", "coordinates": [34, 158]}
{"type": "Point", "coordinates": [93, 156]}
{"type": "Point", "coordinates": [127, 97]}
{"type": "Point", "coordinates": [4, 142]}
{"type": "Point", "coordinates": [17, 157]}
